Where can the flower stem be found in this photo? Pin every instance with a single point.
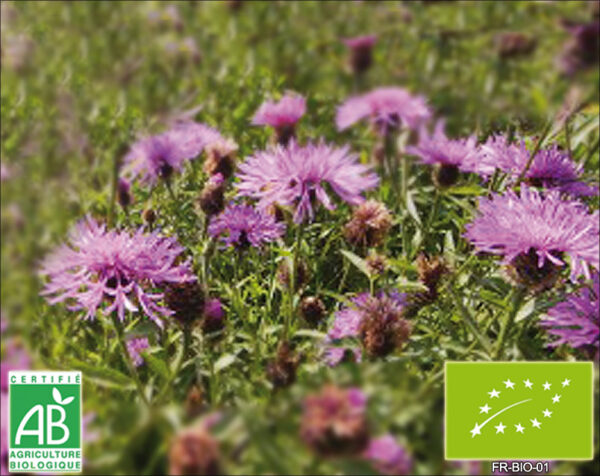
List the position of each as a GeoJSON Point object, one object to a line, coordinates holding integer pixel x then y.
{"type": "Point", "coordinates": [431, 217]}
{"type": "Point", "coordinates": [517, 299]}
{"type": "Point", "coordinates": [132, 370]}
{"type": "Point", "coordinates": [471, 323]}
{"type": "Point", "coordinates": [292, 284]}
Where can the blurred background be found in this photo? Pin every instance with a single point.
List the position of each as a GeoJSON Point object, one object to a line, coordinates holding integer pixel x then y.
{"type": "Point", "coordinates": [81, 80]}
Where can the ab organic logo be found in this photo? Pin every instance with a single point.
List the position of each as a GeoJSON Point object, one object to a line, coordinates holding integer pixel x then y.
{"type": "Point", "coordinates": [519, 410]}
{"type": "Point", "coordinates": [44, 421]}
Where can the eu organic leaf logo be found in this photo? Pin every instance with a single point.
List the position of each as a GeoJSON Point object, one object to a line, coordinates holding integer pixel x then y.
{"type": "Point", "coordinates": [519, 410]}
{"type": "Point", "coordinates": [58, 398]}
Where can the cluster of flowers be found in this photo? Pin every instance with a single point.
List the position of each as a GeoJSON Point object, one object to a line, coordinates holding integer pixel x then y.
{"type": "Point", "coordinates": [538, 226]}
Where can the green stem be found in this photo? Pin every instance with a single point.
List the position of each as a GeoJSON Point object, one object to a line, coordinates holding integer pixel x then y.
{"type": "Point", "coordinates": [534, 152]}
{"type": "Point", "coordinates": [128, 361]}
{"type": "Point", "coordinates": [187, 334]}
{"type": "Point", "coordinates": [517, 298]}
{"type": "Point", "coordinates": [485, 343]}
{"type": "Point", "coordinates": [113, 191]}
{"type": "Point", "coordinates": [292, 284]}
{"type": "Point", "coordinates": [431, 218]}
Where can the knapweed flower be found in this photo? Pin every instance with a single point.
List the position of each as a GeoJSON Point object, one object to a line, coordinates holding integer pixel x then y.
{"type": "Point", "coordinates": [369, 225]}
{"type": "Point", "coordinates": [117, 268]}
{"type": "Point", "coordinates": [186, 300]}
{"type": "Point", "coordinates": [534, 232]}
{"type": "Point", "coordinates": [242, 225]}
{"type": "Point", "coordinates": [386, 108]}
{"type": "Point", "coordinates": [158, 156]}
{"type": "Point", "coordinates": [361, 56]}
{"type": "Point", "coordinates": [334, 421]}
{"type": "Point", "coordinates": [376, 320]}
{"type": "Point", "coordinates": [281, 371]}
{"type": "Point", "coordinates": [576, 321]}
{"type": "Point", "coordinates": [281, 116]}
{"type": "Point", "coordinates": [295, 176]}
{"type": "Point", "coordinates": [387, 456]}
{"type": "Point", "coordinates": [448, 156]}
{"type": "Point", "coordinates": [213, 316]}
{"type": "Point", "coordinates": [551, 168]}
{"type": "Point", "coordinates": [212, 196]}
{"type": "Point", "coordinates": [195, 451]}
{"type": "Point", "coordinates": [135, 346]}
{"type": "Point", "coordinates": [582, 49]}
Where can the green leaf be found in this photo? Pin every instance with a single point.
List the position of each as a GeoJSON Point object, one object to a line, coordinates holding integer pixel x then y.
{"type": "Point", "coordinates": [224, 361]}
{"type": "Point", "coordinates": [157, 365]}
{"type": "Point", "coordinates": [357, 261]}
{"type": "Point", "coordinates": [104, 376]}
{"type": "Point", "coordinates": [412, 209]}
{"type": "Point", "coordinates": [410, 286]}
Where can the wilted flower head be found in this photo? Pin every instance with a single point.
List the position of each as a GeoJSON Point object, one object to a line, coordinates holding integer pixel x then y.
{"type": "Point", "coordinates": [512, 44]}
{"type": "Point", "coordinates": [534, 232]}
{"type": "Point", "coordinates": [551, 167]}
{"type": "Point", "coordinates": [576, 321]}
{"type": "Point", "coordinates": [212, 196]}
{"type": "Point", "coordinates": [220, 157]}
{"type": "Point", "coordinates": [159, 156]}
{"type": "Point", "coordinates": [194, 451]}
{"type": "Point", "coordinates": [386, 108]}
{"type": "Point", "coordinates": [388, 456]}
{"type": "Point", "coordinates": [135, 346]}
{"type": "Point", "coordinates": [312, 309]}
{"type": "Point", "coordinates": [376, 320]}
{"type": "Point", "coordinates": [281, 115]}
{"type": "Point", "coordinates": [114, 267]}
{"type": "Point", "coordinates": [334, 421]}
{"type": "Point", "coordinates": [186, 300]}
{"type": "Point", "coordinates": [361, 48]}
{"type": "Point", "coordinates": [369, 225]}
{"type": "Point", "coordinates": [295, 176]}
{"type": "Point", "coordinates": [242, 225]}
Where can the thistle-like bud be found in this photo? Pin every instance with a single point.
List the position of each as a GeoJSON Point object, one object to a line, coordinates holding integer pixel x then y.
{"type": "Point", "coordinates": [361, 56]}
{"type": "Point", "coordinates": [194, 402]}
{"type": "Point", "coordinates": [513, 44]}
{"type": "Point", "coordinates": [149, 216]}
{"type": "Point", "coordinates": [283, 274]}
{"type": "Point", "coordinates": [312, 310]}
{"type": "Point", "coordinates": [220, 158]}
{"type": "Point", "coordinates": [281, 372]}
{"type": "Point", "coordinates": [524, 270]}
{"type": "Point", "coordinates": [124, 193]}
{"type": "Point", "coordinates": [214, 316]}
{"type": "Point", "coordinates": [445, 175]}
{"type": "Point", "coordinates": [194, 451]}
{"type": "Point", "coordinates": [212, 196]}
{"type": "Point", "coordinates": [369, 225]}
{"type": "Point", "coordinates": [186, 300]}
{"type": "Point", "coordinates": [376, 264]}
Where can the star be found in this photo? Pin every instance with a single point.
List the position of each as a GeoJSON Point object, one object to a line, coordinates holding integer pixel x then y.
{"type": "Point", "coordinates": [509, 384]}
{"type": "Point", "coordinates": [555, 398]}
{"type": "Point", "coordinates": [535, 423]}
{"type": "Point", "coordinates": [519, 428]}
{"type": "Point", "coordinates": [566, 382]}
{"type": "Point", "coordinates": [527, 383]}
{"type": "Point", "coordinates": [485, 408]}
{"type": "Point", "coordinates": [500, 428]}
{"type": "Point", "coordinates": [547, 385]}
{"type": "Point", "coordinates": [476, 430]}
{"type": "Point", "coordinates": [494, 393]}
{"type": "Point", "coordinates": [547, 413]}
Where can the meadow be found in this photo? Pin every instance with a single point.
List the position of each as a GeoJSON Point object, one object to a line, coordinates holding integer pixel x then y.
{"type": "Point", "coordinates": [260, 240]}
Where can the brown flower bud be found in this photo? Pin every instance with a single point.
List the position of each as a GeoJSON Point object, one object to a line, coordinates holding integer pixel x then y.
{"type": "Point", "coordinates": [212, 196]}
{"type": "Point", "coordinates": [283, 274]}
{"type": "Point", "coordinates": [524, 271]}
{"type": "Point", "coordinates": [281, 372]}
{"type": "Point", "coordinates": [513, 44]}
{"type": "Point", "coordinates": [194, 402]}
{"type": "Point", "coordinates": [194, 451]}
{"type": "Point", "coordinates": [186, 300]}
{"type": "Point", "coordinates": [312, 310]}
{"type": "Point", "coordinates": [369, 225]}
{"type": "Point", "coordinates": [376, 264]}
{"type": "Point", "coordinates": [149, 216]}
{"type": "Point", "coordinates": [445, 175]}
{"type": "Point", "coordinates": [220, 158]}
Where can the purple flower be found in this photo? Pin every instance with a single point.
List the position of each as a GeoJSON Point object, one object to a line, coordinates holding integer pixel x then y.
{"type": "Point", "coordinates": [295, 175]}
{"type": "Point", "coordinates": [388, 456]}
{"type": "Point", "coordinates": [115, 267]}
{"type": "Point", "coordinates": [15, 357]}
{"type": "Point", "coordinates": [243, 225]}
{"type": "Point", "coordinates": [5, 172]}
{"type": "Point", "coordinates": [581, 50]}
{"type": "Point", "coordinates": [551, 167]}
{"type": "Point", "coordinates": [286, 112]}
{"type": "Point", "coordinates": [159, 156]}
{"type": "Point", "coordinates": [386, 108]}
{"type": "Point", "coordinates": [134, 347]}
{"type": "Point", "coordinates": [359, 42]}
{"type": "Point", "coordinates": [213, 309]}
{"type": "Point", "coordinates": [3, 432]}
{"type": "Point", "coordinates": [533, 226]}
{"type": "Point", "coordinates": [576, 320]}
{"type": "Point", "coordinates": [436, 148]}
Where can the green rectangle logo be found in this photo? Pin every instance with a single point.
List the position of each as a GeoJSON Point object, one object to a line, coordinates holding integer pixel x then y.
{"type": "Point", "coordinates": [519, 410]}
{"type": "Point", "coordinates": [44, 421]}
